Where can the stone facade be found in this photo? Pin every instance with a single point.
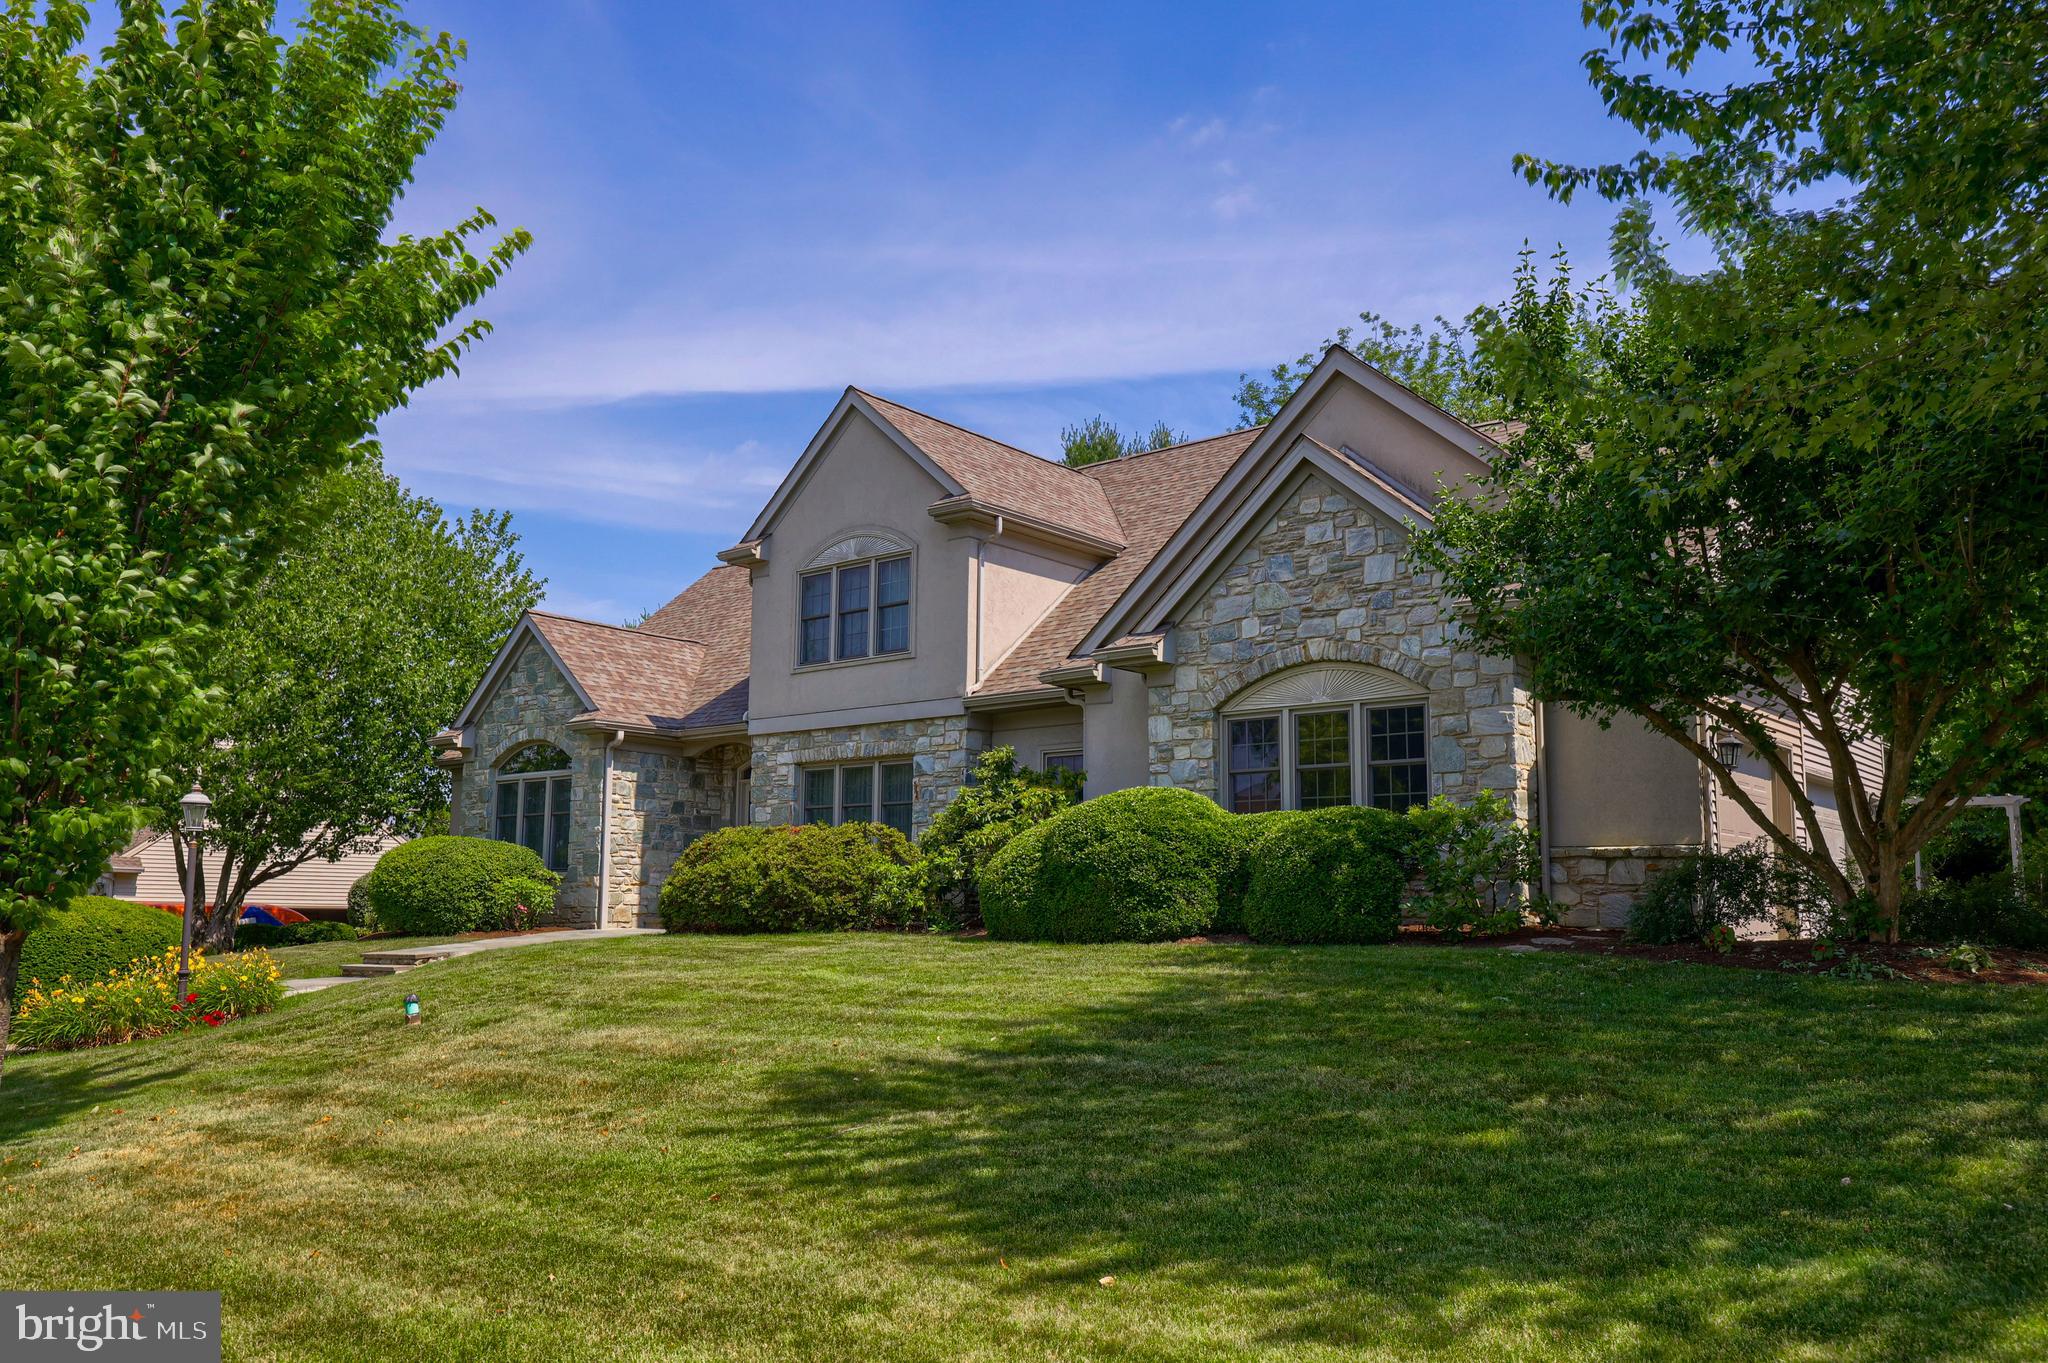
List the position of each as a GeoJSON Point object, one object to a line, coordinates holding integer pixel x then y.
{"type": "Point", "coordinates": [662, 801]}
{"type": "Point", "coordinates": [942, 749]}
{"type": "Point", "coordinates": [533, 702]}
{"type": "Point", "coordinates": [1326, 579]}
{"type": "Point", "coordinates": [1596, 887]}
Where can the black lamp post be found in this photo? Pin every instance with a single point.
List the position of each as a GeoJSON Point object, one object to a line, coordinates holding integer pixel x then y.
{"type": "Point", "coordinates": [193, 807]}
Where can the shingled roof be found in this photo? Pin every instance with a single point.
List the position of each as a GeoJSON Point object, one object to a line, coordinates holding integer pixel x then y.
{"type": "Point", "coordinates": [1151, 494]}
{"type": "Point", "coordinates": [658, 677]}
{"type": "Point", "coordinates": [1005, 477]}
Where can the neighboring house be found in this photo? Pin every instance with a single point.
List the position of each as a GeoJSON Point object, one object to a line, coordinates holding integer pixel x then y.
{"type": "Point", "coordinates": [147, 870]}
{"type": "Point", "coordinates": [1234, 616]}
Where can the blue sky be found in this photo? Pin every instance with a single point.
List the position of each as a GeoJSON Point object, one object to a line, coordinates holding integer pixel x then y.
{"type": "Point", "coordinates": [1012, 216]}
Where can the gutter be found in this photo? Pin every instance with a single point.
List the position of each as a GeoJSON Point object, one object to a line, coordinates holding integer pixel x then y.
{"type": "Point", "coordinates": [604, 836]}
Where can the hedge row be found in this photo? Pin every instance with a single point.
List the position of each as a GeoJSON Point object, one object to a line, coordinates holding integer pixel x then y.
{"type": "Point", "coordinates": [796, 878]}
{"type": "Point", "coordinates": [93, 935]}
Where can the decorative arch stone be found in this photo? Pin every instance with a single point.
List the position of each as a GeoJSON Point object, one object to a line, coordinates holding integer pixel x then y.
{"type": "Point", "coordinates": [870, 542]}
{"type": "Point", "coordinates": [1237, 680]}
{"type": "Point", "coordinates": [532, 755]}
{"type": "Point", "coordinates": [1335, 683]}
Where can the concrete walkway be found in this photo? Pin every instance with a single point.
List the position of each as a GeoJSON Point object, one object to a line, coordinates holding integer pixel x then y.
{"type": "Point", "coordinates": [399, 960]}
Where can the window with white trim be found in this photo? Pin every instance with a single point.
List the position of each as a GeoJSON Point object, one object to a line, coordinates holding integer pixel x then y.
{"type": "Point", "coordinates": [532, 802]}
{"type": "Point", "coordinates": [854, 610]}
{"type": "Point", "coordinates": [1318, 737]}
{"type": "Point", "coordinates": [858, 792]}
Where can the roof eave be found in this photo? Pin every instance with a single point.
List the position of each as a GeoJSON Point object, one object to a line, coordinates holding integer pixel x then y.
{"type": "Point", "coordinates": [968, 510]}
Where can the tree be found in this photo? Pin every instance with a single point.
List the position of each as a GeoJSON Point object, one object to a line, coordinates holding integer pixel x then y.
{"type": "Point", "coordinates": [1436, 362]}
{"type": "Point", "coordinates": [199, 312]}
{"type": "Point", "coordinates": [340, 665]}
{"type": "Point", "coordinates": [1097, 439]}
{"type": "Point", "coordinates": [1805, 484]}
{"type": "Point", "coordinates": [1002, 799]}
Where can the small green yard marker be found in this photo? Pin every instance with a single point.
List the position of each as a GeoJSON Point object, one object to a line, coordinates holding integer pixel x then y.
{"type": "Point", "coordinates": [412, 1009]}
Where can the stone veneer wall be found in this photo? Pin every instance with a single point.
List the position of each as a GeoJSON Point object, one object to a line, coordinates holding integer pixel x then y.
{"type": "Point", "coordinates": [1325, 579]}
{"type": "Point", "coordinates": [942, 750]}
{"type": "Point", "coordinates": [1596, 887]}
{"type": "Point", "coordinates": [532, 702]}
{"type": "Point", "coordinates": [662, 801]}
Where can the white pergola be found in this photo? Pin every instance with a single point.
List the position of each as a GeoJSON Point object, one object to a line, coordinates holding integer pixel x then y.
{"type": "Point", "coordinates": [2011, 805]}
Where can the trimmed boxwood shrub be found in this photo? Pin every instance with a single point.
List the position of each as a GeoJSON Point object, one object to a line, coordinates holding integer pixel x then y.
{"type": "Point", "coordinates": [447, 884]}
{"type": "Point", "coordinates": [292, 934]}
{"type": "Point", "coordinates": [1331, 875]}
{"type": "Point", "coordinates": [1133, 866]}
{"type": "Point", "coordinates": [1251, 833]}
{"type": "Point", "coordinates": [92, 935]}
{"type": "Point", "coordinates": [793, 878]}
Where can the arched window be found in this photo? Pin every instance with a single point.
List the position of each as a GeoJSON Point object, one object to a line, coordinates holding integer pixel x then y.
{"type": "Point", "coordinates": [853, 600]}
{"type": "Point", "coordinates": [1321, 735]}
{"type": "Point", "coordinates": [533, 801]}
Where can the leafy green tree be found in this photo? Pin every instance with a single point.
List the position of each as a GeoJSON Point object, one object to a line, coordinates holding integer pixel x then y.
{"type": "Point", "coordinates": [1435, 361]}
{"type": "Point", "coordinates": [1001, 800]}
{"type": "Point", "coordinates": [199, 312]}
{"type": "Point", "coordinates": [1808, 481]}
{"type": "Point", "coordinates": [1098, 438]}
{"type": "Point", "coordinates": [340, 665]}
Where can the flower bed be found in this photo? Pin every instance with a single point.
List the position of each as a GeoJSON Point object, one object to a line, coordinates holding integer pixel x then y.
{"type": "Point", "coordinates": [141, 1000]}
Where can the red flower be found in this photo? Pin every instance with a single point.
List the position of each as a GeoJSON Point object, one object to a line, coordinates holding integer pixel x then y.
{"type": "Point", "coordinates": [177, 1008]}
{"type": "Point", "coordinates": [216, 1019]}
{"type": "Point", "coordinates": [191, 998]}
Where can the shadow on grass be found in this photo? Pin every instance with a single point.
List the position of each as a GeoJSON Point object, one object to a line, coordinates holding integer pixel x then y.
{"type": "Point", "coordinates": [33, 1097]}
{"type": "Point", "coordinates": [1369, 1148]}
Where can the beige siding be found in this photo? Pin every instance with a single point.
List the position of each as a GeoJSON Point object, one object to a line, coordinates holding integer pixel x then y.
{"type": "Point", "coordinates": [315, 885]}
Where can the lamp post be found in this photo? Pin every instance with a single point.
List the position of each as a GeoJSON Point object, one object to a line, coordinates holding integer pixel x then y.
{"type": "Point", "coordinates": [193, 807]}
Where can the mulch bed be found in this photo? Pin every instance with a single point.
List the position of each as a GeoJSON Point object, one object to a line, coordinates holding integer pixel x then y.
{"type": "Point", "coordinates": [1904, 960]}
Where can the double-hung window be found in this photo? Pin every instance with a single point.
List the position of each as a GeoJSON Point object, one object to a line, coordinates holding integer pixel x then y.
{"type": "Point", "coordinates": [532, 806]}
{"type": "Point", "coordinates": [853, 611]}
{"type": "Point", "coordinates": [861, 792]}
{"type": "Point", "coordinates": [1316, 758]}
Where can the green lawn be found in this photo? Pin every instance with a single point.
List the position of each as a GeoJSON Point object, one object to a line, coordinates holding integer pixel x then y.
{"type": "Point", "coordinates": [327, 958]}
{"type": "Point", "coordinates": [895, 1148]}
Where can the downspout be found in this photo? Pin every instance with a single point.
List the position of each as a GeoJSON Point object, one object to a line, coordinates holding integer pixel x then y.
{"type": "Point", "coordinates": [1543, 809]}
{"type": "Point", "coordinates": [604, 836]}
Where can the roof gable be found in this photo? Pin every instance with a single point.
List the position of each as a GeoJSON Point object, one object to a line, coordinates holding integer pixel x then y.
{"type": "Point", "coordinates": [1262, 469]}
{"type": "Point", "coordinates": [969, 469]}
{"type": "Point", "coordinates": [523, 631]}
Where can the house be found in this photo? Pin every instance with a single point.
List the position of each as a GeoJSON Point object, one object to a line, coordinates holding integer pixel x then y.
{"type": "Point", "coordinates": [1233, 615]}
{"type": "Point", "coordinates": [146, 870]}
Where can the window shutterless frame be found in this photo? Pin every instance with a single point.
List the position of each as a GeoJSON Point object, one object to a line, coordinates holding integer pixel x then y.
{"type": "Point", "coordinates": [854, 611]}
{"type": "Point", "coordinates": [858, 792]}
{"type": "Point", "coordinates": [1318, 756]}
{"type": "Point", "coordinates": [533, 811]}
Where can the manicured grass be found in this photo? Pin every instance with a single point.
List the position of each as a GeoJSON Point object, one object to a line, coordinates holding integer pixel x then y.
{"type": "Point", "coordinates": [898, 1148]}
{"type": "Point", "coordinates": [317, 959]}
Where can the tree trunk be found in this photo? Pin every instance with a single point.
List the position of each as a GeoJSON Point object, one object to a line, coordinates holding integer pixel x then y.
{"type": "Point", "coordinates": [10, 965]}
{"type": "Point", "coordinates": [1888, 887]}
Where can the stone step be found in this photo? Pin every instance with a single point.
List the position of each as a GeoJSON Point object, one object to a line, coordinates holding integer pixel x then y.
{"type": "Point", "coordinates": [376, 968]}
{"type": "Point", "coordinates": [405, 956]}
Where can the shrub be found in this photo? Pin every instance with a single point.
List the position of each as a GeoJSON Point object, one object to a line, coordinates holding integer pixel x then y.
{"type": "Point", "coordinates": [1993, 909]}
{"type": "Point", "coordinates": [1000, 801]}
{"type": "Point", "coordinates": [1250, 833]}
{"type": "Point", "coordinates": [141, 999]}
{"type": "Point", "coordinates": [1749, 886]}
{"type": "Point", "coordinates": [1133, 866]}
{"type": "Point", "coordinates": [361, 916]}
{"type": "Point", "coordinates": [446, 885]}
{"type": "Point", "coordinates": [1334, 875]}
{"type": "Point", "coordinates": [291, 934]}
{"type": "Point", "coordinates": [92, 935]}
{"type": "Point", "coordinates": [1475, 863]}
{"type": "Point", "coordinates": [793, 878]}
